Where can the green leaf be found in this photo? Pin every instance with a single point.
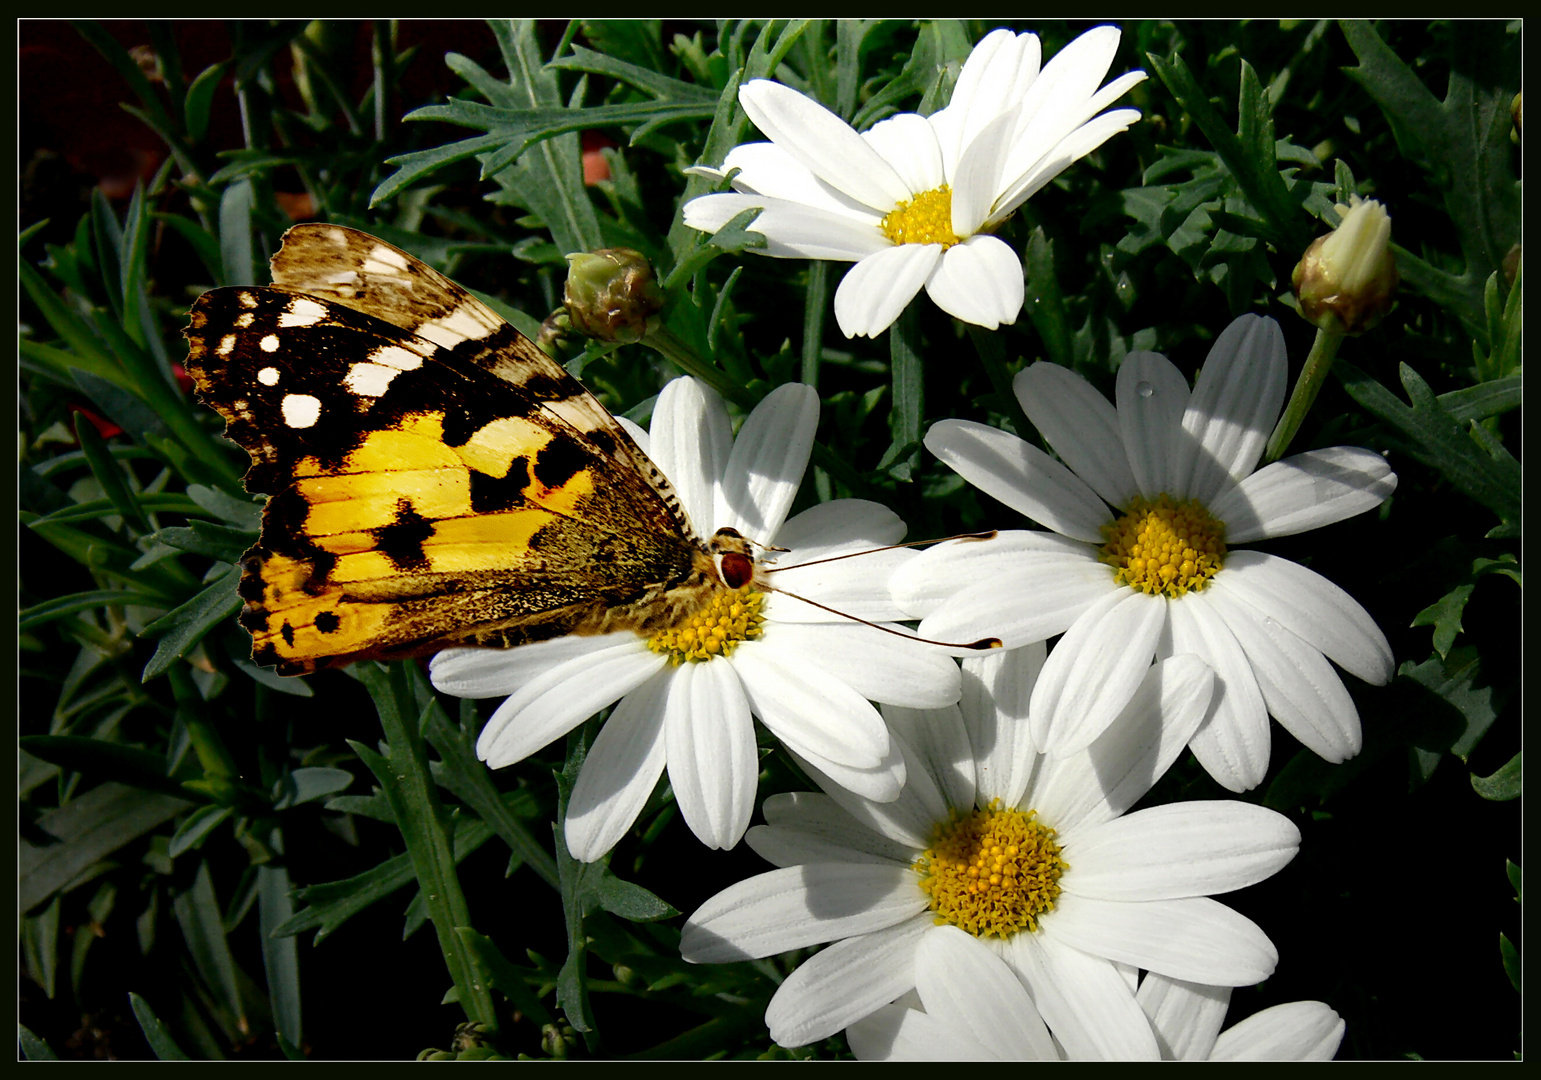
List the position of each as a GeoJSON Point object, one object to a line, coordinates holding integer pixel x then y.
{"type": "Point", "coordinates": [109, 473]}
{"type": "Point", "coordinates": [237, 259]}
{"type": "Point", "coordinates": [195, 827]}
{"type": "Point", "coordinates": [661, 87]}
{"type": "Point", "coordinates": [32, 1047]}
{"type": "Point", "coordinates": [240, 512]}
{"type": "Point", "coordinates": [1511, 960]}
{"type": "Point", "coordinates": [49, 610]}
{"type": "Point", "coordinates": [1502, 785]}
{"type": "Point", "coordinates": [155, 1032]}
{"type": "Point", "coordinates": [908, 380]}
{"type": "Point", "coordinates": [202, 538]}
{"type": "Point", "coordinates": [40, 946]}
{"type": "Point", "coordinates": [185, 626]}
{"type": "Point", "coordinates": [88, 829]}
{"type": "Point", "coordinates": [305, 784]}
{"type": "Point", "coordinates": [101, 759]}
{"type": "Point", "coordinates": [200, 99]}
{"type": "Point", "coordinates": [627, 899]}
{"type": "Point", "coordinates": [197, 913]}
{"type": "Point", "coordinates": [280, 954]}
{"type": "Point", "coordinates": [1445, 616]}
{"type": "Point", "coordinates": [508, 980]}
{"type": "Point", "coordinates": [1487, 474]}
{"type": "Point", "coordinates": [1461, 684]}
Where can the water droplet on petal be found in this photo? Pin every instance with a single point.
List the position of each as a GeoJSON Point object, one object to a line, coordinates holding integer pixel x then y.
{"type": "Point", "coordinates": [1144, 389]}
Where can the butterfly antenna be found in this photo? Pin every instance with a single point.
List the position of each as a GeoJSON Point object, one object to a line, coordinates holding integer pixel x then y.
{"type": "Point", "coordinates": [980, 645]}
{"type": "Point", "coordinates": [987, 535]}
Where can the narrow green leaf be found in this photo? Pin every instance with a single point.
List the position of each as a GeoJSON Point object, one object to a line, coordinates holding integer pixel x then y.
{"type": "Point", "coordinates": [89, 828]}
{"type": "Point", "coordinates": [40, 946]}
{"type": "Point", "coordinates": [651, 82]}
{"type": "Point", "coordinates": [414, 166]}
{"type": "Point", "coordinates": [203, 538]}
{"type": "Point", "coordinates": [280, 954]}
{"type": "Point", "coordinates": [908, 379]}
{"type": "Point", "coordinates": [155, 1032]}
{"type": "Point", "coordinates": [197, 913]}
{"type": "Point", "coordinates": [305, 784]}
{"type": "Point", "coordinates": [104, 760]}
{"type": "Point", "coordinates": [32, 1047]}
{"type": "Point", "coordinates": [49, 610]}
{"type": "Point", "coordinates": [200, 100]}
{"type": "Point", "coordinates": [506, 978]}
{"type": "Point", "coordinates": [195, 827]}
{"type": "Point", "coordinates": [238, 511]}
{"type": "Point", "coordinates": [185, 626]}
{"type": "Point", "coordinates": [235, 248]}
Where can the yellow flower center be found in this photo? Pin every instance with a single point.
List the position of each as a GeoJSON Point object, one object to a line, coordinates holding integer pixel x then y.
{"type": "Point", "coordinates": [992, 873]}
{"type": "Point", "coordinates": [1164, 547]}
{"type": "Point", "coordinates": [925, 219]}
{"type": "Point", "coordinates": [715, 629]}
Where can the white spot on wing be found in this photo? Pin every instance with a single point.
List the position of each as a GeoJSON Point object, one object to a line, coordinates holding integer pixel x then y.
{"type": "Point", "coordinates": [370, 380]}
{"type": "Point", "coordinates": [397, 357]}
{"type": "Point", "coordinates": [226, 343]}
{"type": "Point", "coordinates": [465, 322]}
{"type": "Point", "coordinates": [301, 410]}
{"type": "Point", "coordinates": [268, 376]}
{"type": "Point", "coordinates": [247, 300]}
{"type": "Point", "coordinates": [269, 343]}
{"type": "Point", "coordinates": [243, 320]}
{"type": "Point", "coordinates": [302, 312]}
{"type": "Point", "coordinates": [386, 262]}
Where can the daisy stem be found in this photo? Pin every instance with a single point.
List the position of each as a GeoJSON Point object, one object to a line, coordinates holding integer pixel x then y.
{"type": "Point", "coordinates": [665, 341]}
{"type": "Point", "coordinates": [992, 355]}
{"type": "Point", "coordinates": [1318, 364]}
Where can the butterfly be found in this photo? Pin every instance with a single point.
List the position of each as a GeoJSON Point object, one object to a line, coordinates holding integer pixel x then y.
{"type": "Point", "coordinates": [435, 479]}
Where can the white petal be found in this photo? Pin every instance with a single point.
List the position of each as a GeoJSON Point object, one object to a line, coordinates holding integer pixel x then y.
{"type": "Point", "coordinates": [1187, 1016]}
{"type": "Point", "coordinates": [792, 230]}
{"type": "Point", "coordinates": [875, 291]}
{"type": "Point", "coordinates": [1179, 849]}
{"type": "Point", "coordinates": [895, 1033]}
{"type": "Point", "coordinates": [979, 281]}
{"type": "Point", "coordinates": [767, 462]}
{"type": "Point", "coordinates": [996, 688]}
{"type": "Point", "coordinates": [966, 984]}
{"type": "Point", "coordinates": [1233, 742]}
{"type": "Point", "coordinates": [620, 772]}
{"type": "Point", "coordinates": [1311, 607]}
{"type": "Point", "coordinates": [1304, 492]}
{"type": "Point", "coordinates": [908, 815]}
{"type": "Point", "coordinates": [713, 761]}
{"type": "Point", "coordinates": [941, 746]}
{"type": "Point", "coordinates": [1235, 403]}
{"type": "Point", "coordinates": [995, 77]}
{"type": "Point", "coordinates": [799, 906]}
{"type": "Point", "coordinates": [879, 784]}
{"type": "Point", "coordinates": [809, 709]}
{"type": "Point", "coordinates": [1032, 172]}
{"type": "Point", "coordinates": [837, 526]}
{"type": "Point", "coordinates": [1152, 395]}
{"type": "Point", "coordinates": [921, 586]}
{"type": "Point", "coordinates": [1195, 938]}
{"type": "Point", "coordinates": [691, 438]}
{"type": "Point", "coordinates": [638, 434]}
{"type": "Point", "coordinates": [1081, 425]}
{"type": "Point", "coordinates": [908, 143]}
{"type": "Point", "coordinates": [1302, 691]}
{"type": "Point", "coordinates": [483, 673]}
{"type": "Point", "coordinates": [878, 666]}
{"type": "Point", "coordinates": [822, 143]}
{"type": "Point", "coordinates": [1298, 1031]}
{"type": "Point", "coordinates": [766, 169]}
{"type": "Point", "coordinates": [1095, 669]}
{"type": "Point", "coordinates": [1129, 757]}
{"type": "Point", "coordinates": [809, 826]}
{"type": "Point", "coordinates": [976, 180]}
{"type": "Point", "coordinates": [1084, 1000]}
{"type": "Point", "coordinates": [1019, 608]}
{"type": "Point", "coordinates": [1021, 476]}
{"type": "Point", "coordinates": [554, 702]}
{"type": "Point", "coordinates": [844, 983]}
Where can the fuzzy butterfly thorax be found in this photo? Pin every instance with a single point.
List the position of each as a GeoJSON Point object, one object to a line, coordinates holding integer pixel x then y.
{"type": "Point", "coordinates": [435, 479]}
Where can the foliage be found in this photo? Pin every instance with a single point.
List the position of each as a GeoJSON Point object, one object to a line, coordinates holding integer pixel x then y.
{"type": "Point", "coordinates": [186, 817]}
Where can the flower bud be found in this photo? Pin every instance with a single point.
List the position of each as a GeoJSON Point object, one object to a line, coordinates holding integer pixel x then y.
{"type": "Point", "coordinates": [1346, 280]}
{"type": "Point", "coordinates": [610, 294]}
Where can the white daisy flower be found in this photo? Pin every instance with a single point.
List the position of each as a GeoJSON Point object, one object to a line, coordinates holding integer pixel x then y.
{"type": "Point", "coordinates": [913, 200]}
{"type": "Point", "coordinates": [807, 674]}
{"type": "Point", "coordinates": [941, 1020]}
{"type": "Point", "coordinates": [994, 846]}
{"type": "Point", "coordinates": [1159, 574]}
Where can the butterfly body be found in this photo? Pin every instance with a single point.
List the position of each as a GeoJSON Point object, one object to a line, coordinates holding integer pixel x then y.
{"type": "Point", "coordinates": [435, 479]}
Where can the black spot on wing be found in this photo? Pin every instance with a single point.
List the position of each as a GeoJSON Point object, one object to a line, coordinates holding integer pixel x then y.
{"type": "Point", "coordinates": [402, 540]}
{"type": "Point", "coordinates": [489, 494]}
{"type": "Point", "coordinates": [603, 440]}
{"type": "Point", "coordinates": [287, 632]}
{"type": "Point", "coordinates": [558, 461]}
{"type": "Point", "coordinates": [252, 618]}
{"type": "Point", "coordinates": [327, 621]}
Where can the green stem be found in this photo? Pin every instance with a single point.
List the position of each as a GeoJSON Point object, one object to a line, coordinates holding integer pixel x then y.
{"type": "Point", "coordinates": [665, 341]}
{"type": "Point", "coordinates": [1318, 364]}
{"type": "Point", "coordinates": [815, 304]}
{"type": "Point", "coordinates": [992, 356]}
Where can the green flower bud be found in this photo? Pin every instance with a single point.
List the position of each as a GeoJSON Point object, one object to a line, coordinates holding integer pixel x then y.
{"type": "Point", "coordinates": [1346, 280]}
{"type": "Point", "coordinates": [611, 294]}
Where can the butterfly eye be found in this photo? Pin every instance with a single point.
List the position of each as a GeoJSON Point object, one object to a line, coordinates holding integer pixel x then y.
{"type": "Point", "coordinates": [737, 569]}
